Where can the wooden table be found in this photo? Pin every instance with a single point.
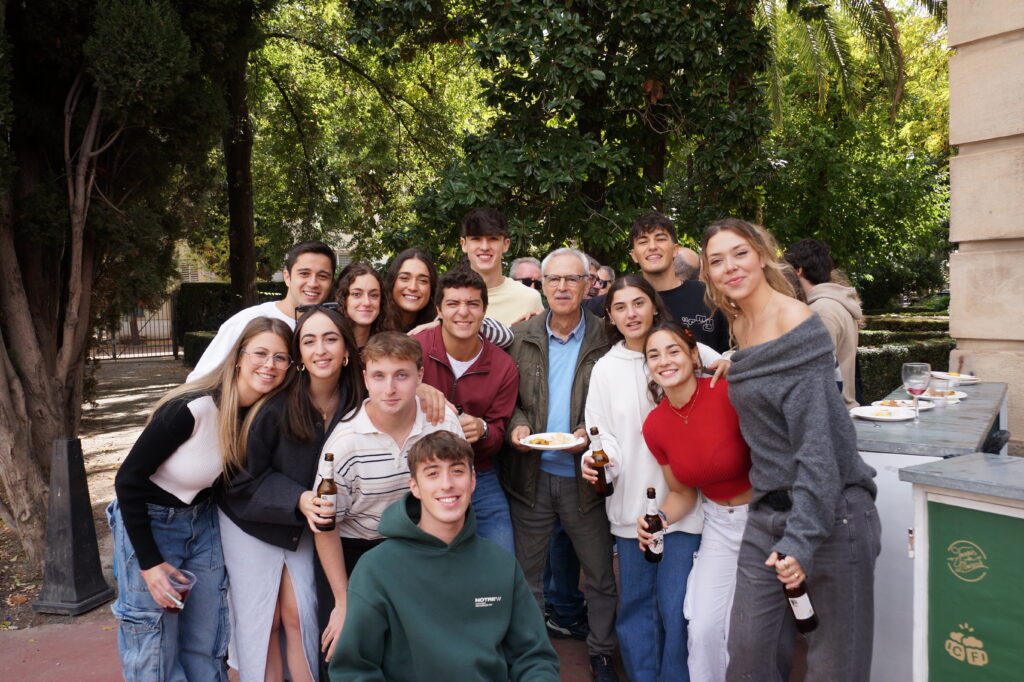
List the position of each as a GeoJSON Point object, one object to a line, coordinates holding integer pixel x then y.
{"type": "Point", "coordinates": [944, 432]}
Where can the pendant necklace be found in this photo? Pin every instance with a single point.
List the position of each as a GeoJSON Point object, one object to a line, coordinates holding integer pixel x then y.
{"type": "Point", "coordinates": [692, 403]}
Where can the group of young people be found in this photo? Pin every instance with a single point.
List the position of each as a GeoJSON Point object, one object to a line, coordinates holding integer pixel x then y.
{"type": "Point", "coordinates": [418, 394]}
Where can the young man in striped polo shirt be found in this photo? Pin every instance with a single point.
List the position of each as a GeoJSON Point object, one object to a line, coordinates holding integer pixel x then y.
{"type": "Point", "coordinates": [370, 451]}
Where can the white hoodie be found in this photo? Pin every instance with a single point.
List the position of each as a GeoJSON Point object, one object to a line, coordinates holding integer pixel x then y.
{"type": "Point", "coordinates": [618, 402]}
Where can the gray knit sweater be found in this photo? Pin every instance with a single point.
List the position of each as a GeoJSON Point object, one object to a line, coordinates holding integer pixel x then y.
{"type": "Point", "coordinates": [800, 434]}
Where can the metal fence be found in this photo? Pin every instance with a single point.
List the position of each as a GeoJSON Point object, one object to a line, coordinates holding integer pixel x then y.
{"type": "Point", "coordinates": [145, 334]}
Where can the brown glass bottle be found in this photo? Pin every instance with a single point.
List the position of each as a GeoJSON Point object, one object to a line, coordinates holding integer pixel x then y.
{"type": "Point", "coordinates": [327, 490]}
{"type": "Point", "coordinates": [602, 485]}
{"type": "Point", "coordinates": [655, 550]}
{"type": "Point", "coordinates": [800, 601]}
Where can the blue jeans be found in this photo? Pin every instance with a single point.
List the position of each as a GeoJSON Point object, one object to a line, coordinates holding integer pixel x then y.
{"type": "Point", "coordinates": [562, 580]}
{"type": "Point", "coordinates": [491, 508]}
{"type": "Point", "coordinates": [650, 626]}
{"type": "Point", "coordinates": [184, 647]}
{"type": "Point", "coordinates": [841, 586]}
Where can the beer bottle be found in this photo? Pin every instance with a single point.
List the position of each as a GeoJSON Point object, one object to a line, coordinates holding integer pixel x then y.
{"type": "Point", "coordinates": [800, 602]}
{"type": "Point", "coordinates": [602, 485]}
{"type": "Point", "coordinates": [327, 490]}
{"type": "Point", "coordinates": [656, 549]}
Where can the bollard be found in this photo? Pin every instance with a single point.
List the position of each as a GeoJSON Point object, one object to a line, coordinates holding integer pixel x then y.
{"type": "Point", "coordinates": [72, 577]}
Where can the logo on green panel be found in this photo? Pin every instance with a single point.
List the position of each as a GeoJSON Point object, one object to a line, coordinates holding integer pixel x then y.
{"type": "Point", "coordinates": [967, 561]}
{"type": "Point", "coordinates": [967, 648]}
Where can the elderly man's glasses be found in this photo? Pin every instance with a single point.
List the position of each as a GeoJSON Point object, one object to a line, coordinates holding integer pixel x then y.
{"type": "Point", "coordinates": [570, 280]}
{"type": "Point", "coordinates": [259, 358]}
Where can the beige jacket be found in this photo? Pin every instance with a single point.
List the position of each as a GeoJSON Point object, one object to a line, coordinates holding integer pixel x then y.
{"type": "Point", "coordinates": [839, 309]}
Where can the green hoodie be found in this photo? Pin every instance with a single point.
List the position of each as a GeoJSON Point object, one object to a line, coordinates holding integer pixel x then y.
{"type": "Point", "coordinates": [420, 609]}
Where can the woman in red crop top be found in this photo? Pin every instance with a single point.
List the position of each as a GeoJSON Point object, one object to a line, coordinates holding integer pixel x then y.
{"type": "Point", "coordinates": [695, 436]}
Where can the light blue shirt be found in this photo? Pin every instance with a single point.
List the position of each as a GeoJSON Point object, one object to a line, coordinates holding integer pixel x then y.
{"type": "Point", "coordinates": [562, 356]}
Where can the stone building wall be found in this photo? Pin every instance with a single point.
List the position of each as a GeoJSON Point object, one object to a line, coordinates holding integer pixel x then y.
{"type": "Point", "coordinates": [986, 123]}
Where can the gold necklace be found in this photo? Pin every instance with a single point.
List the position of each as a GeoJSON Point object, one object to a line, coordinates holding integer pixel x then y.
{"type": "Point", "coordinates": [330, 399]}
{"type": "Point", "coordinates": [692, 403]}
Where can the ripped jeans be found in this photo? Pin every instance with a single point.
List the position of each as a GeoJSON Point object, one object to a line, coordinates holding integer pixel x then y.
{"type": "Point", "coordinates": [190, 646]}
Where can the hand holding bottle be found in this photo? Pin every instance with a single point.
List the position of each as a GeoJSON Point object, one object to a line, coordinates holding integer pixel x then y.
{"type": "Point", "coordinates": [787, 570]}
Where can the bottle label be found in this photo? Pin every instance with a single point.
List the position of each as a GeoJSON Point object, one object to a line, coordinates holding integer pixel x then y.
{"type": "Point", "coordinates": [657, 542]}
{"type": "Point", "coordinates": [332, 499]}
{"type": "Point", "coordinates": [801, 606]}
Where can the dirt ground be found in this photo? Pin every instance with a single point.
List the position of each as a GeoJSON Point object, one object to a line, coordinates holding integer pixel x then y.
{"type": "Point", "coordinates": [127, 391]}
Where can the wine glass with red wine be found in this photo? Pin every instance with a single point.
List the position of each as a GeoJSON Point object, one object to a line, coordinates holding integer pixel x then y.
{"type": "Point", "coordinates": [916, 377]}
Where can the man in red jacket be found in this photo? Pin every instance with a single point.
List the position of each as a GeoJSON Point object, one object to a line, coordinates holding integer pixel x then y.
{"type": "Point", "coordinates": [481, 381]}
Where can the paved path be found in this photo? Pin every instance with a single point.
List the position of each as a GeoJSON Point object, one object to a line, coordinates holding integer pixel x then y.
{"type": "Point", "coordinates": [86, 651]}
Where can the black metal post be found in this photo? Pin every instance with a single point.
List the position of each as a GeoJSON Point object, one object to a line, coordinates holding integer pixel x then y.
{"type": "Point", "coordinates": [72, 577]}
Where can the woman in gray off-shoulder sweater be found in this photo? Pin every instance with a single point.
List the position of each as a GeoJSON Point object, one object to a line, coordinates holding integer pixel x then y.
{"type": "Point", "coordinates": [812, 514]}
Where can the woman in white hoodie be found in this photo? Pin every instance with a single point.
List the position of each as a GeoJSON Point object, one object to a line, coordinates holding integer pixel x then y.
{"type": "Point", "coordinates": [650, 624]}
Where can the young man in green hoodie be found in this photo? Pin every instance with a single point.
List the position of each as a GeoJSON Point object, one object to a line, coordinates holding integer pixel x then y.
{"type": "Point", "coordinates": [436, 601]}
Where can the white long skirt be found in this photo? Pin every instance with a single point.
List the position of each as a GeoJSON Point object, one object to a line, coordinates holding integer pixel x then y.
{"type": "Point", "coordinates": [254, 573]}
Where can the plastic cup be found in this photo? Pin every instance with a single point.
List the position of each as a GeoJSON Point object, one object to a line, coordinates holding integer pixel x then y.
{"type": "Point", "coordinates": [182, 587]}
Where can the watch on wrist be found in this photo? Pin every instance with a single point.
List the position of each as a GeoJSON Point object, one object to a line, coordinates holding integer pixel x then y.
{"type": "Point", "coordinates": [487, 429]}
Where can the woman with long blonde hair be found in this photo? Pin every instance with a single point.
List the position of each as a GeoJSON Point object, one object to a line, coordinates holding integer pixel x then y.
{"type": "Point", "coordinates": [164, 521]}
{"type": "Point", "coordinates": [812, 514]}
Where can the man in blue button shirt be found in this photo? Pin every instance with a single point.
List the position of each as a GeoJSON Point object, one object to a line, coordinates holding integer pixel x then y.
{"type": "Point", "coordinates": [555, 354]}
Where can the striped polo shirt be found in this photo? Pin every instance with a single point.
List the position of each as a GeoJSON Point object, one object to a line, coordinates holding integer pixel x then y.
{"type": "Point", "coordinates": [370, 469]}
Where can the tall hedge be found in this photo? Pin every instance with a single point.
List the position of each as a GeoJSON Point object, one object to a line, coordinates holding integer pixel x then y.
{"type": "Point", "coordinates": [203, 306]}
{"type": "Point", "coordinates": [880, 367]}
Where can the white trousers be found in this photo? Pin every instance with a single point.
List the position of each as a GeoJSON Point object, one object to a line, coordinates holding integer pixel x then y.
{"type": "Point", "coordinates": [710, 590]}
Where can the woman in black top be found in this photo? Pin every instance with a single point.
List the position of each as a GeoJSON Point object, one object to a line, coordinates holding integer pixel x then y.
{"type": "Point", "coordinates": [163, 521]}
{"type": "Point", "coordinates": [268, 504]}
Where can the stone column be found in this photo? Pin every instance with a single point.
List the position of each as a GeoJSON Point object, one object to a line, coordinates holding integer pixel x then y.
{"type": "Point", "coordinates": [986, 123]}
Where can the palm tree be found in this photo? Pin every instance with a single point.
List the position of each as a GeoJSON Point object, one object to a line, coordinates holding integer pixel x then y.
{"type": "Point", "coordinates": [823, 30]}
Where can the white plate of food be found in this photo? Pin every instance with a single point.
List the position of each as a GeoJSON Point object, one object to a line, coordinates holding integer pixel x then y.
{"type": "Point", "coordinates": [964, 379]}
{"type": "Point", "coordinates": [551, 441]}
{"type": "Point", "coordinates": [883, 414]}
{"type": "Point", "coordinates": [923, 404]}
{"type": "Point", "coordinates": [943, 394]}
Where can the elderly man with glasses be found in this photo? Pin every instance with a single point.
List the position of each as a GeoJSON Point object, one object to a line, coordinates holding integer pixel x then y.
{"type": "Point", "coordinates": [555, 353]}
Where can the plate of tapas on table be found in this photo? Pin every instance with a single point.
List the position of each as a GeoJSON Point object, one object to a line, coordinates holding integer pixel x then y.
{"type": "Point", "coordinates": [943, 394]}
{"type": "Point", "coordinates": [964, 379]}
{"type": "Point", "coordinates": [883, 414]}
{"type": "Point", "coordinates": [551, 441]}
{"type": "Point", "coordinates": [924, 404]}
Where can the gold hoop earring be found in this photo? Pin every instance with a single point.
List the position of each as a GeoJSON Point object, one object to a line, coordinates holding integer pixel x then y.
{"type": "Point", "coordinates": [344, 363]}
{"type": "Point", "coordinates": [299, 367]}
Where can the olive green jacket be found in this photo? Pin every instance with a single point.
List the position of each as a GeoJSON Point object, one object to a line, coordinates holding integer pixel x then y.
{"type": "Point", "coordinates": [519, 470]}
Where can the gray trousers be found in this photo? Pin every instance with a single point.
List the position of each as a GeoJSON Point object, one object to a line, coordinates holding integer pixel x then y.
{"type": "Point", "coordinates": [558, 499]}
{"type": "Point", "coordinates": [762, 628]}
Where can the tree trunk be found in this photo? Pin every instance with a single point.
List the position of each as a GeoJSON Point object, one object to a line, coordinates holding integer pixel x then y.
{"type": "Point", "coordinates": [654, 165]}
{"type": "Point", "coordinates": [22, 476]}
{"type": "Point", "coordinates": [238, 140]}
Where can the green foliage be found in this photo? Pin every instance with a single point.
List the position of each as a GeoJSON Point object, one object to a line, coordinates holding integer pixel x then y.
{"type": "Point", "coordinates": [194, 346]}
{"type": "Point", "coordinates": [588, 98]}
{"type": "Point", "coordinates": [137, 53]}
{"type": "Point", "coordinates": [880, 366]}
{"type": "Point", "coordinates": [907, 323]}
{"type": "Point", "coordinates": [203, 306]}
{"type": "Point", "coordinates": [880, 337]}
{"type": "Point", "coordinates": [876, 191]}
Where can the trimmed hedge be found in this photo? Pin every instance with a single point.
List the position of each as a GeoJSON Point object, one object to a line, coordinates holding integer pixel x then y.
{"type": "Point", "coordinates": [908, 323]}
{"type": "Point", "coordinates": [194, 346]}
{"type": "Point", "coordinates": [203, 306]}
{"type": "Point", "coordinates": [880, 367]}
{"type": "Point", "coordinates": [878, 337]}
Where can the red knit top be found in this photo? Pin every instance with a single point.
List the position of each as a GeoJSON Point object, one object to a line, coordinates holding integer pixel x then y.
{"type": "Point", "coordinates": [708, 452]}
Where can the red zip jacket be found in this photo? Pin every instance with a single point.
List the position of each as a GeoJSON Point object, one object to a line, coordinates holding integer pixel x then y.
{"type": "Point", "coordinates": [487, 390]}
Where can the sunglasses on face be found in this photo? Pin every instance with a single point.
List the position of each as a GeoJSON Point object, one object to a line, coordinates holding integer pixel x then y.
{"type": "Point", "coordinates": [300, 310]}
{"type": "Point", "coordinates": [530, 282]}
